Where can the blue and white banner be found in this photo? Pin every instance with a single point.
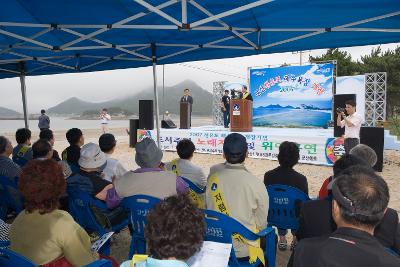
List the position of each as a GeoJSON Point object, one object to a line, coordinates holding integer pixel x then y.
{"type": "Point", "coordinates": [293, 96]}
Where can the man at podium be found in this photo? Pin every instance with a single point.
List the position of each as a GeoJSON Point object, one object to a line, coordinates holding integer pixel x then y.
{"type": "Point", "coordinates": [187, 98]}
{"type": "Point", "coordinates": [245, 94]}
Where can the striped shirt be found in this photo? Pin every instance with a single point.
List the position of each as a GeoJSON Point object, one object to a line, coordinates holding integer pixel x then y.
{"type": "Point", "coordinates": [8, 168]}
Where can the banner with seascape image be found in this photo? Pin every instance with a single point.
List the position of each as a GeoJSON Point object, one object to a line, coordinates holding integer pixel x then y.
{"type": "Point", "coordinates": [292, 96]}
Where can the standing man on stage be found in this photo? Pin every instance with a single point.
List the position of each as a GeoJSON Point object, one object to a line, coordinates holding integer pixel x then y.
{"type": "Point", "coordinates": [104, 119]}
{"type": "Point", "coordinates": [352, 124]}
{"type": "Point", "coordinates": [245, 94]}
{"type": "Point", "coordinates": [44, 121]}
{"type": "Point", "coordinates": [225, 108]}
{"type": "Point", "coordinates": [187, 98]}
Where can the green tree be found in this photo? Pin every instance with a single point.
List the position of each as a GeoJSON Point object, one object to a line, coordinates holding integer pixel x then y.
{"type": "Point", "coordinates": [345, 65]}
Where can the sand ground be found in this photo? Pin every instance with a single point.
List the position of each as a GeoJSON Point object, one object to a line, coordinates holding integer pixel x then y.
{"type": "Point", "coordinates": [314, 174]}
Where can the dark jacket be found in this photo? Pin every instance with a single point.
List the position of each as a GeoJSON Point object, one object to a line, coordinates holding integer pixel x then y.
{"type": "Point", "coordinates": [189, 100]}
{"type": "Point", "coordinates": [316, 220]}
{"type": "Point", "coordinates": [346, 247]}
{"type": "Point", "coordinates": [286, 176]}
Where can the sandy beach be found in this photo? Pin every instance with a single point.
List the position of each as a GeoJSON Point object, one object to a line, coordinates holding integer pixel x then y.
{"type": "Point", "coordinates": [314, 174]}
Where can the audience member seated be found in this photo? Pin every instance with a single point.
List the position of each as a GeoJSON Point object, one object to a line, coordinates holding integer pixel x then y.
{"type": "Point", "coordinates": [4, 231]}
{"type": "Point", "coordinates": [285, 175]}
{"type": "Point", "coordinates": [316, 215]}
{"type": "Point", "coordinates": [43, 233]}
{"type": "Point", "coordinates": [235, 192]}
{"type": "Point", "coordinates": [340, 165]}
{"type": "Point", "coordinates": [174, 232]}
{"type": "Point", "coordinates": [184, 167]}
{"type": "Point", "coordinates": [48, 135]}
{"type": "Point", "coordinates": [360, 198]}
{"type": "Point", "coordinates": [89, 179]}
{"type": "Point", "coordinates": [42, 150]}
{"type": "Point", "coordinates": [149, 179]}
{"type": "Point", "coordinates": [7, 167]}
{"type": "Point", "coordinates": [114, 168]}
{"type": "Point", "coordinates": [366, 153]}
{"type": "Point", "coordinates": [22, 152]}
{"type": "Point", "coordinates": [72, 153]}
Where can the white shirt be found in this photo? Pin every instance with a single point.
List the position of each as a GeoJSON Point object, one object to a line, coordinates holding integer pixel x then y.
{"type": "Point", "coordinates": [352, 131]}
{"type": "Point", "coordinates": [105, 118]}
{"type": "Point", "coordinates": [113, 167]}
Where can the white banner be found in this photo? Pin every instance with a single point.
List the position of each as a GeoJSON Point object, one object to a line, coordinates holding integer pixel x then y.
{"type": "Point", "coordinates": [318, 150]}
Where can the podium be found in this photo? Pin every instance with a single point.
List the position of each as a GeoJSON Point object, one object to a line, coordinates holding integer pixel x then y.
{"type": "Point", "coordinates": [241, 115]}
{"type": "Point", "coordinates": [184, 117]}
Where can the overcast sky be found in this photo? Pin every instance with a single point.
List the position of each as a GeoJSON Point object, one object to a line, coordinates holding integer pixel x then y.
{"type": "Point", "coordinates": [47, 91]}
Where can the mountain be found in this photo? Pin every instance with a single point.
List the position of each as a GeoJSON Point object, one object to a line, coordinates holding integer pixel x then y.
{"type": "Point", "coordinates": [73, 105]}
{"type": "Point", "coordinates": [9, 113]}
{"type": "Point", "coordinates": [202, 104]}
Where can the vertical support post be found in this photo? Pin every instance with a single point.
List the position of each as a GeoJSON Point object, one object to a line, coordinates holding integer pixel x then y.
{"type": "Point", "coordinates": [154, 59]}
{"type": "Point", "coordinates": [24, 104]}
{"type": "Point", "coordinates": [163, 90]}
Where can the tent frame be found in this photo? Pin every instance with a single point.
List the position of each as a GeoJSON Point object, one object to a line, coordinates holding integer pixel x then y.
{"type": "Point", "coordinates": [132, 51]}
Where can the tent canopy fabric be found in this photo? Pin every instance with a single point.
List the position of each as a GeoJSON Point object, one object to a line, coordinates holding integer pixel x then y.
{"type": "Point", "coordinates": [39, 37]}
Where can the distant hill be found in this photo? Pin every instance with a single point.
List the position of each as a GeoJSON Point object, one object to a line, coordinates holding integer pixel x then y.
{"type": "Point", "coordinates": [73, 105]}
{"type": "Point", "coordinates": [202, 101]}
{"type": "Point", "coordinates": [9, 113]}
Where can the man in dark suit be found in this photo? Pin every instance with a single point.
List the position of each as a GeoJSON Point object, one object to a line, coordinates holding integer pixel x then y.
{"type": "Point", "coordinates": [187, 98]}
{"type": "Point", "coordinates": [245, 94]}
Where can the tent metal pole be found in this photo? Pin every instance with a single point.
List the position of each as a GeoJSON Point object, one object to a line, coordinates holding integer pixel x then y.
{"type": "Point", "coordinates": [154, 59]}
{"type": "Point", "coordinates": [24, 104]}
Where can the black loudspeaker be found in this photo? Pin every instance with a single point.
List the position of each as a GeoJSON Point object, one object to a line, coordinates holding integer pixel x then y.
{"type": "Point", "coordinates": [146, 114]}
{"type": "Point", "coordinates": [167, 124]}
{"type": "Point", "coordinates": [374, 137]}
{"type": "Point", "coordinates": [339, 102]}
{"type": "Point", "coordinates": [133, 127]}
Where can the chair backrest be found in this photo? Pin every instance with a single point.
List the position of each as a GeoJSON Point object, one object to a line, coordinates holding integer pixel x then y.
{"type": "Point", "coordinates": [74, 168]}
{"type": "Point", "coordinates": [284, 203]}
{"type": "Point", "coordinates": [196, 194]}
{"type": "Point", "coordinates": [10, 197]}
{"type": "Point", "coordinates": [20, 161]}
{"type": "Point", "coordinates": [9, 258]}
{"type": "Point", "coordinates": [221, 227]}
{"type": "Point", "coordinates": [138, 207]}
{"type": "Point", "coordinates": [80, 204]}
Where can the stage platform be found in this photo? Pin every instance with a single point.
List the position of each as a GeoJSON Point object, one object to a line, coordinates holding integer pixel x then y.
{"type": "Point", "coordinates": [317, 146]}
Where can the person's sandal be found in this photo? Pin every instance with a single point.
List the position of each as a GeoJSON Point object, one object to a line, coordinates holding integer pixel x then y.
{"type": "Point", "coordinates": [282, 245]}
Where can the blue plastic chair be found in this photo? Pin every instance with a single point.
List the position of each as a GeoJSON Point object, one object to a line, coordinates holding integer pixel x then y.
{"type": "Point", "coordinates": [4, 244]}
{"type": "Point", "coordinates": [10, 197]}
{"type": "Point", "coordinates": [20, 161]}
{"type": "Point", "coordinates": [80, 204]}
{"type": "Point", "coordinates": [138, 207]}
{"type": "Point", "coordinates": [9, 258]}
{"type": "Point", "coordinates": [283, 201]}
{"type": "Point", "coordinates": [196, 193]}
{"type": "Point", "coordinates": [74, 168]}
{"type": "Point", "coordinates": [221, 227]}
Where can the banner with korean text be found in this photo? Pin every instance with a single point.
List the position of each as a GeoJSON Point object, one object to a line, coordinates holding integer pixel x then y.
{"type": "Point", "coordinates": [317, 150]}
{"type": "Point", "coordinates": [292, 96]}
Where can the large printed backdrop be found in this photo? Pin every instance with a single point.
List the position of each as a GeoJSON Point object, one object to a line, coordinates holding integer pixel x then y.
{"type": "Point", "coordinates": [294, 96]}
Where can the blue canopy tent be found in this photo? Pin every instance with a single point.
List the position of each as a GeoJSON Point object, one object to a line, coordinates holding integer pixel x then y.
{"type": "Point", "coordinates": [40, 37]}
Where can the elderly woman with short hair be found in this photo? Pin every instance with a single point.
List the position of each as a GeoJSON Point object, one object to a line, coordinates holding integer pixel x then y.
{"type": "Point", "coordinates": [42, 233]}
